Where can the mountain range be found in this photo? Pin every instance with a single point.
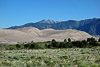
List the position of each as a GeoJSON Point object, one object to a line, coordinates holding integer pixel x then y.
{"type": "Point", "coordinates": [91, 26]}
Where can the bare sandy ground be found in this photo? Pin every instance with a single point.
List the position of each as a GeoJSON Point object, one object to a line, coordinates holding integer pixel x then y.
{"type": "Point", "coordinates": [28, 34]}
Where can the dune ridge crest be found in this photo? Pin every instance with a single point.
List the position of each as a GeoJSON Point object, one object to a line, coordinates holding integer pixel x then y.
{"type": "Point", "coordinates": [28, 34]}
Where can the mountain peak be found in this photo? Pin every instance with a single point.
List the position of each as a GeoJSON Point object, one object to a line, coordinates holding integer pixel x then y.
{"type": "Point", "coordinates": [47, 21]}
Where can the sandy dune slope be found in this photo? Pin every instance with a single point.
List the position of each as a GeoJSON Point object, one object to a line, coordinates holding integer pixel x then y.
{"type": "Point", "coordinates": [30, 33]}
{"type": "Point", "coordinates": [13, 36]}
{"type": "Point", "coordinates": [60, 35]}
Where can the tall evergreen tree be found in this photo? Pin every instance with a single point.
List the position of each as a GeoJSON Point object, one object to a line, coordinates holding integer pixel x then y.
{"type": "Point", "coordinates": [53, 43]}
{"type": "Point", "coordinates": [69, 40]}
{"type": "Point", "coordinates": [65, 40]}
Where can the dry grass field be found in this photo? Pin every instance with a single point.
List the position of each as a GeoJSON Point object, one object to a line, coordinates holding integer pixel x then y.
{"type": "Point", "coordinates": [69, 57]}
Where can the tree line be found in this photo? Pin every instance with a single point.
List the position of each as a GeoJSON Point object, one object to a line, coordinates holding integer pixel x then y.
{"type": "Point", "coordinates": [90, 42]}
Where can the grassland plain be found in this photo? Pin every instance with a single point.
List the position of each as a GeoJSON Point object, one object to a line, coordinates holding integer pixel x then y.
{"type": "Point", "coordinates": [69, 57]}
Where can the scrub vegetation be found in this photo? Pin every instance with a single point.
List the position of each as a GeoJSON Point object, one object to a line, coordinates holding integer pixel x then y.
{"type": "Point", "coordinates": [69, 53]}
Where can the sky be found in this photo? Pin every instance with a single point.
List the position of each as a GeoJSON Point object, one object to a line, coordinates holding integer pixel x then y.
{"type": "Point", "coordinates": [19, 12]}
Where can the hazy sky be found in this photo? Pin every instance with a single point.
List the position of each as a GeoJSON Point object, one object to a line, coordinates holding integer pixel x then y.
{"type": "Point", "coordinates": [18, 12]}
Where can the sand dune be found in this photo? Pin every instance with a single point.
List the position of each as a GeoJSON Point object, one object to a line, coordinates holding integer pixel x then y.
{"type": "Point", "coordinates": [60, 35]}
{"type": "Point", "coordinates": [13, 36]}
{"type": "Point", "coordinates": [30, 33]}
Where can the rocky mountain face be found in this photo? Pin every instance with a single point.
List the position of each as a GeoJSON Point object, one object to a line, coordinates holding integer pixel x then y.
{"type": "Point", "coordinates": [91, 26]}
{"type": "Point", "coordinates": [28, 34]}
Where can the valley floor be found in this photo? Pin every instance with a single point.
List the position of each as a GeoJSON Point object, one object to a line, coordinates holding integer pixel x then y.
{"type": "Point", "coordinates": [69, 57]}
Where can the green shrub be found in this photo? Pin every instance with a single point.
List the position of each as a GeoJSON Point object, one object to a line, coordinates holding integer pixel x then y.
{"type": "Point", "coordinates": [16, 57]}
{"type": "Point", "coordinates": [32, 57]}
{"type": "Point", "coordinates": [49, 62]}
{"type": "Point", "coordinates": [64, 57]}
